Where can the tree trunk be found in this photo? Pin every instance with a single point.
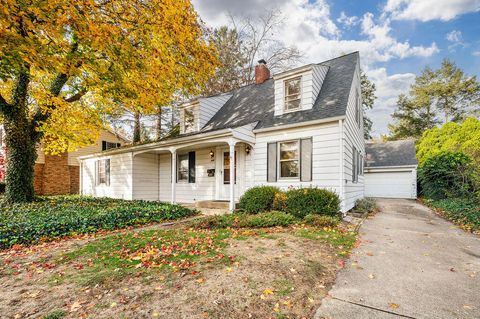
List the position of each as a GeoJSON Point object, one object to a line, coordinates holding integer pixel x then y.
{"type": "Point", "coordinates": [137, 128]}
{"type": "Point", "coordinates": [21, 157]}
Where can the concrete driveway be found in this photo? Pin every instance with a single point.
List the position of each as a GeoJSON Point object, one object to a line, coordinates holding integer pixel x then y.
{"type": "Point", "coordinates": [410, 264]}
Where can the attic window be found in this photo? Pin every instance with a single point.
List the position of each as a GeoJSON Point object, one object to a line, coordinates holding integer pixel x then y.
{"type": "Point", "coordinates": [292, 93]}
{"type": "Point", "coordinates": [188, 120]}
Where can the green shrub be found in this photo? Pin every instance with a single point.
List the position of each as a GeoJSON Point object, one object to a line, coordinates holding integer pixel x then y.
{"type": "Point", "coordinates": [242, 220]}
{"type": "Point", "coordinates": [463, 211]}
{"type": "Point", "coordinates": [365, 205]}
{"type": "Point", "coordinates": [57, 314]}
{"type": "Point", "coordinates": [280, 201]}
{"type": "Point", "coordinates": [448, 174]}
{"type": "Point", "coordinates": [304, 201]}
{"type": "Point", "coordinates": [321, 220]}
{"type": "Point", "coordinates": [52, 217]}
{"type": "Point", "coordinates": [258, 199]}
{"type": "Point", "coordinates": [269, 219]}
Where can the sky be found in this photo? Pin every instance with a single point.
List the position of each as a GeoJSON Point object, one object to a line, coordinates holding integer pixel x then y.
{"type": "Point", "coordinates": [396, 38]}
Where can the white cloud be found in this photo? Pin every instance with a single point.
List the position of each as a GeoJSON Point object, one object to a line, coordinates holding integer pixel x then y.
{"type": "Point", "coordinates": [348, 21]}
{"type": "Point", "coordinates": [388, 89]}
{"type": "Point", "coordinates": [426, 10]}
{"type": "Point", "coordinates": [309, 26]}
{"type": "Point", "coordinates": [476, 53]}
{"type": "Point", "coordinates": [454, 36]}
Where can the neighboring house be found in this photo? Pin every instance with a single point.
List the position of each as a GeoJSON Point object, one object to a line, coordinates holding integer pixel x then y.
{"type": "Point", "coordinates": [301, 128]}
{"type": "Point", "coordinates": [391, 169]}
{"type": "Point", "coordinates": [60, 174]}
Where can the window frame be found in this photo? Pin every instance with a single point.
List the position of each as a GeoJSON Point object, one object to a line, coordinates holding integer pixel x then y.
{"type": "Point", "coordinates": [279, 160]}
{"type": "Point", "coordinates": [286, 96]}
{"type": "Point", "coordinates": [102, 163]}
{"type": "Point", "coordinates": [185, 180]}
{"type": "Point", "coordinates": [188, 129]}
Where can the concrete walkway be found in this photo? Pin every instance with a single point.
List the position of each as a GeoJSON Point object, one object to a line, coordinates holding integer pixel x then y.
{"type": "Point", "coordinates": [410, 264]}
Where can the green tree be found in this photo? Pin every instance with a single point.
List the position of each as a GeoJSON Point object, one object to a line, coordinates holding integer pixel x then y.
{"type": "Point", "coordinates": [452, 137]}
{"type": "Point", "coordinates": [368, 99]}
{"type": "Point", "coordinates": [437, 96]}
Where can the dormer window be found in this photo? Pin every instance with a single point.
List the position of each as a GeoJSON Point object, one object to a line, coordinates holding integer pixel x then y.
{"type": "Point", "coordinates": [188, 120]}
{"type": "Point", "coordinates": [292, 93]}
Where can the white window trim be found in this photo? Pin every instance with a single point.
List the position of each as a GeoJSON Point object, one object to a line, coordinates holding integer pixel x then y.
{"type": "Point", "coordinates": [101, 163]}
{"type": "Point", "coordinates": [190, 109]}
{"type": "Point", "coordinates": [285, 110]}
{"type": "Point", "coordinates": [279, 167]}
{"type": "Point", "coordinates": [178, 168]}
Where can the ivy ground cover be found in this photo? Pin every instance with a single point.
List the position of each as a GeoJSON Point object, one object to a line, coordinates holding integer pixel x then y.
{"type": "Point", "coordinates": [53, 217]}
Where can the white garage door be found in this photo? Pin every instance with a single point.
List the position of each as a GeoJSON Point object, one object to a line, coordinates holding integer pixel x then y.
{"type": "Point", "coordinates": [391, 184]}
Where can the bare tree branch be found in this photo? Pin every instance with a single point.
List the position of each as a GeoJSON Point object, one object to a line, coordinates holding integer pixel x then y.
{"type": "Point", "coordinates": [77, 96]}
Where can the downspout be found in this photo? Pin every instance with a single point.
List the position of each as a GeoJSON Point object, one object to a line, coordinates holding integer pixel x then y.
{"type": "Point", "coordinates": [342, 167]}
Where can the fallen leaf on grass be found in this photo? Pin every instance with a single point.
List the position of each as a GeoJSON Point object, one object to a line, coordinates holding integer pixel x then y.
{"type": "Point", "coordinates": [201, 280]}
{"type": "Point", "coordinates": [75, 306]}
{"type": "Point", "coordinates": [228, 269]}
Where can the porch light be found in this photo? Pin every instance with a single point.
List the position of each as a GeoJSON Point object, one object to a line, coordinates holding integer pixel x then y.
{"type": "Point", "coordinates": [248, 149]}
{"type": "Point", "coordinates": [212, 155]}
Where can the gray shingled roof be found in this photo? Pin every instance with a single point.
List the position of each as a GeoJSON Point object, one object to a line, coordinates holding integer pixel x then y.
{"type": "Point", "coordinates": [253, 103]}
{"type": "Point", "coordinates": [394, 153]}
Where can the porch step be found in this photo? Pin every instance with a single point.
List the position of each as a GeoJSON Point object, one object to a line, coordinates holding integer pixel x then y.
{"type": "Point", "coordinates": [213, 204]}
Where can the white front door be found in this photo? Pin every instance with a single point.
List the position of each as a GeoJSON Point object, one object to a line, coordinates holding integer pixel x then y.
{"type": "Point", "coordinates": [223, 176]}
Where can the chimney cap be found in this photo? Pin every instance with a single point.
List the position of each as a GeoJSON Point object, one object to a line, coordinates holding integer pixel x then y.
{"type": "Point", "coordinates": [262, 61]}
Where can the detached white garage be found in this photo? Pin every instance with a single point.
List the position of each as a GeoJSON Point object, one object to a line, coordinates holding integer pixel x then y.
{"type": "Point", "coordinates": [391, 169]}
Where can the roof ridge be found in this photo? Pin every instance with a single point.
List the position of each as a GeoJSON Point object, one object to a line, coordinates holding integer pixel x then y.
{"type": "Point", "coordinates": [339, 57]}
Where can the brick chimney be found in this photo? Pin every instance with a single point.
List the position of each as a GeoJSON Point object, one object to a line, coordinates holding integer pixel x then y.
{"type": "Point", "coordinates": [262, 73]}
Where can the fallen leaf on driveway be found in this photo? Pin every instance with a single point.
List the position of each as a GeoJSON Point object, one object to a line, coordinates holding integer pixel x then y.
{"type": "Point", "coordinates": [393, 305]}
{"type": "Point", "coordinates": [371, 276]}
{"type": "Point", "coordinates": [370, 253]}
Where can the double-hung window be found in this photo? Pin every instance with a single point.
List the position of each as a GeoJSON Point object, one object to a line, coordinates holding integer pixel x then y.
{"type": "Point", "coordinates": [293, 93]}
{"type": "Point", "coordinates": [102, 172]}
{"type": "Point", "coordinates": [289, 159]}
{"type": "Point", "coordinates": [186, 167]}
{"type": "Point", "coordinates": [182, 172]}
{"type": "Point", "coordinates": [188, 120]}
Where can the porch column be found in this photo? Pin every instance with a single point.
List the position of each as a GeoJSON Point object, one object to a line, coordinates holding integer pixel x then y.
{"type": "Point", "coordinates": [174, 172]}
{"type": "Point", "coordinates": [232, 175]}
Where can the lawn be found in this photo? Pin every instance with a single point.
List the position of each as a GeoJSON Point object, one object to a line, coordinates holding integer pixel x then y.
{"type": "Point", "coordinates": [176, 272]}
{"type": "Point", "coordinates": [462, 211]}
{"type": "Point", "coordinates": [53, 217]}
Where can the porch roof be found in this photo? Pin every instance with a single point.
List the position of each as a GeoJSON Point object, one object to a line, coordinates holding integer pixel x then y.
{"type": "Point", "coordinates": [238, 134]}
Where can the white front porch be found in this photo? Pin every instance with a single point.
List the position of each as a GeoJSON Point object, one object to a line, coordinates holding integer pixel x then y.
{"type": "Point", "coordinates": [215, 168]}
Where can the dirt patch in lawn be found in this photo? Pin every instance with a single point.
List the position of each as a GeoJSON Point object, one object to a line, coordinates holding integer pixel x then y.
{"type": "Point", "coordinates": [250, 274]}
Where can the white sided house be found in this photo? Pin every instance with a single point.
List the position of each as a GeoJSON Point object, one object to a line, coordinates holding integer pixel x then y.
{"type": "Point", "coordinates": [300, 128]}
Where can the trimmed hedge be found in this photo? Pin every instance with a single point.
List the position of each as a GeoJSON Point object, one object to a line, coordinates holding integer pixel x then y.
{"type": "Point", "coordinates": [242, 220]}
{"type": "Point", "coordinates": [304, 201]}
{"type": "Point", "coordinates": [52, 217]}
{"type": "Point", "coordinates": [258, 199]}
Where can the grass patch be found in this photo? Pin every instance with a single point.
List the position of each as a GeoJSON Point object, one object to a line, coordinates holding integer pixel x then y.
{"type": "Point", "coordinates": [462, 211]}
{"type": "Point", "coordinates": [342, 240]}
{"type": "Point", "coordinates": [56, 314]}
{"type": "Point", "coordinates": [57, 216]}
{"type": "Point", "coordinates": [118, 256]}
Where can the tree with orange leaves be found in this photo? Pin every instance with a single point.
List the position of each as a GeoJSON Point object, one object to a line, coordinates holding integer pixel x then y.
{"type": "Point", "coordinates": [65, 63]}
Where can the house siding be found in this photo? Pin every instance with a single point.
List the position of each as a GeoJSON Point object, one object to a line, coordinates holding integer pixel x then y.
{"type": "Point", "coordinates": [325, 156]}
{"type": "Point", "coordinates": [120, 177]}
{"type": "Point", "coordinates": [145, 177]}
{"type": "Point", "coordinates": [353, 137]}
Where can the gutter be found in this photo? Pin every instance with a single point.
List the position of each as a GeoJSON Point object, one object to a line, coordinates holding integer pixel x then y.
{"type": "Point", "coordinates": [176, 141]}
{"type": "Point", "coordinates": [301, 124]}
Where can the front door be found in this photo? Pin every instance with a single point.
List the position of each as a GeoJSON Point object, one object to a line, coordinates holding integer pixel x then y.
{"type": "Point", "coordinates": [223, 167]}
